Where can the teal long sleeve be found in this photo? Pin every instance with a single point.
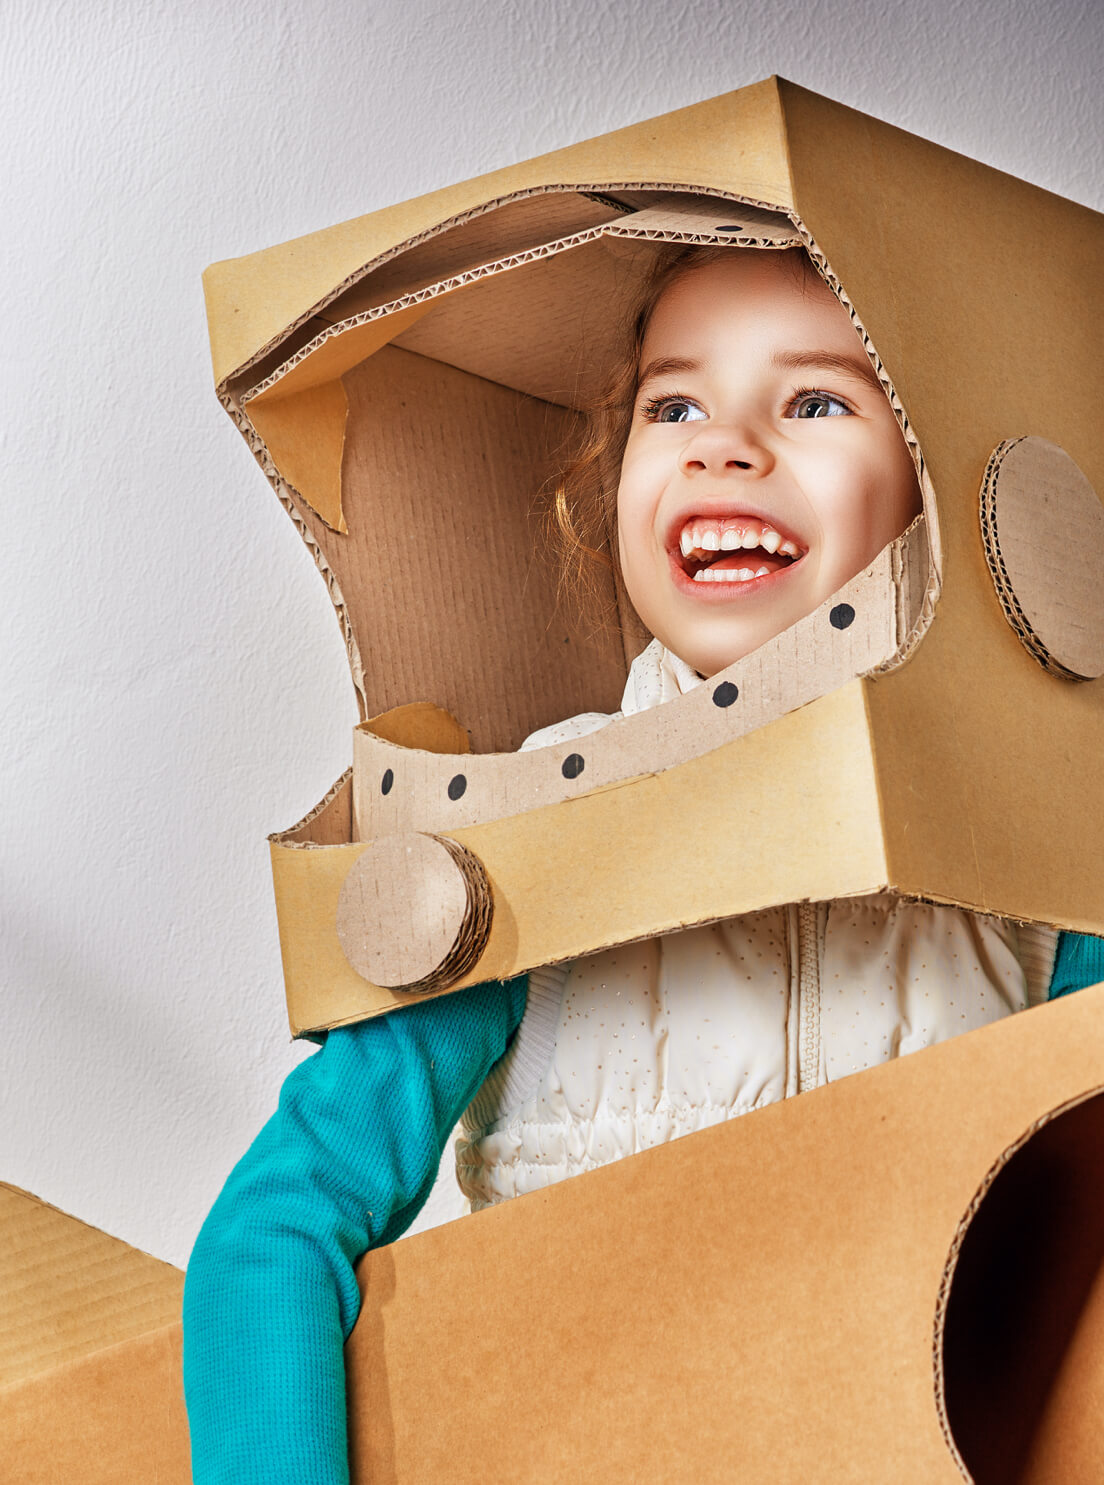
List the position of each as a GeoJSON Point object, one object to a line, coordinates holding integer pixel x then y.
{"type": "Point", "coordinates": [344, 1165]}
{"type": "Point", "coordinates": [1078, 962]}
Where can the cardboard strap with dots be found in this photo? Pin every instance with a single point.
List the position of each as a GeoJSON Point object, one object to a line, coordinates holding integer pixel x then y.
{"type": "Point", "coordinates": [858, 630]}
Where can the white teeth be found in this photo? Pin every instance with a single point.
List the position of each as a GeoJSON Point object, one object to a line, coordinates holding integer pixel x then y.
{"type": "Point", "coordinates": [697, 538]}
{"type": "Point", "coordinates": [762, 571]}
{"type": "Point", "coordinates": [736, 575]}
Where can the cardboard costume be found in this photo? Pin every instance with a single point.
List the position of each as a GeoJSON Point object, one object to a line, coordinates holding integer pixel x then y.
{"type": "Point", "coordinates": [406, 382]}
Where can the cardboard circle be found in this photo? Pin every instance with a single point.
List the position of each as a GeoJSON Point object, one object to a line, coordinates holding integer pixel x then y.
{"type": "Point", "coordinates": [1042, 525]}
{"type": "Point", "coordinates": [414, 912]}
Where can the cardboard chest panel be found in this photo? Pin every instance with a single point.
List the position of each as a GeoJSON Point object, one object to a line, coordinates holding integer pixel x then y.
{"type": "Point", "coordinates": [897, 1277]}
{"type": "Point", "coordinates": [407, 381]}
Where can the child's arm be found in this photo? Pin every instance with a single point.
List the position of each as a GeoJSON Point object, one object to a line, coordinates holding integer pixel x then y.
{"type": "Point", "coordinates": [1078, 962]}
{"type": "Point", "coordinates": [344, 1165]}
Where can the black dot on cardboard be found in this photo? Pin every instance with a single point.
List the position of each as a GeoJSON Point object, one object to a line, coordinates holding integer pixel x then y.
{"type": "Point", "coordinates": [725, 694]}
{"type": "Point", "coordinates": [386, 782]}
{"type": "Point", "coordinates": [842, 616]}
{"type": "Point", "coordinates": [573, 765]}
{"type": "Point", "coordinates": [457, 784]}
{"type": "Point", "coordinates": [730, 227]}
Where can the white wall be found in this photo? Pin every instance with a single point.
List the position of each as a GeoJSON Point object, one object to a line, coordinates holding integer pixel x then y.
{"type": "Point", "coordinates": [173, 682]}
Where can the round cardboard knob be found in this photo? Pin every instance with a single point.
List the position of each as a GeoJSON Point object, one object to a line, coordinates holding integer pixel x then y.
{"type": "Point", "coordinates": [414, 912]}
{"type": "Point", "coordinates": [1043, 529]}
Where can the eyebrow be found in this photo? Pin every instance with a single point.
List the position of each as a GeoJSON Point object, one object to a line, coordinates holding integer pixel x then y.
{"type": "Point", "coordinates": [852, 366]}
{"type": "Point", "coordinates": [666, 366]}
{"type": "Point", "coordinates": [829, 361]}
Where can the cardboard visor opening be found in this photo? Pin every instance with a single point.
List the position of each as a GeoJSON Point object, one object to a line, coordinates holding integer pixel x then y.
{"type": "Point", "coordinates": [417, 421]}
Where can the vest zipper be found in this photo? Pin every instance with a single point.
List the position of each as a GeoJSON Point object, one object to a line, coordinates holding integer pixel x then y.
{"type": "Point", "coordinates": [808, 997]}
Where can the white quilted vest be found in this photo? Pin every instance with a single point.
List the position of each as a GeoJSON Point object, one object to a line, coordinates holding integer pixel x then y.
{"type": "Point", "coordinates": [639, 1044]}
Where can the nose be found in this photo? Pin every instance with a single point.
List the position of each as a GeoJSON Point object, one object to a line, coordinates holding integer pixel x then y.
{"type": "Point", "coordinates": [726, 448]}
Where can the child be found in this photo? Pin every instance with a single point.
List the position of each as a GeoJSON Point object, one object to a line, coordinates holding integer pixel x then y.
{"type": "Point", "coordinates": [761, 469]}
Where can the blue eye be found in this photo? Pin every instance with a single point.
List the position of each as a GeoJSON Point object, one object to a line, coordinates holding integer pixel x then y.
{"type": "Point", "coordinates": [673, 410]}
{"type": "Point", "coordinates": [818, 405]}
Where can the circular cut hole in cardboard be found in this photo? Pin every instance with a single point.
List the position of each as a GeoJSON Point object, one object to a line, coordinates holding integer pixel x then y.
{"type": "Point", "coordinates": [1019, 1337]}
{"type": "Point", "coordinates": [1042, 525]}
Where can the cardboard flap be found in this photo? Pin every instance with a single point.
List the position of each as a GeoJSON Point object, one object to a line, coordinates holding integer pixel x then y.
{"type": "Point", "coordinates": [68, 1291]}
{"type": "Point", "coordinates": [454, 249]}
{"type": "Point", "coordinates": [301, 416]}
{"type": "Point", "coordinates": [420, 724]}
{"type": "Point", "coordinates": [468, 329]}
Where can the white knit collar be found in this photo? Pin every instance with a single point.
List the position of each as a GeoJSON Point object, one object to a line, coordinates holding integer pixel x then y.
{"type": "Point", "coordinates": [657, 675]}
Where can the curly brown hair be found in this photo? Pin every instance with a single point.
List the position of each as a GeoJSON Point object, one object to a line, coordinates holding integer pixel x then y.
{"type": "Point", "coordinates": [581, 519]}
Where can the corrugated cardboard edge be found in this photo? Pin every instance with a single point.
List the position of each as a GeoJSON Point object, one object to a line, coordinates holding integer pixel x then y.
{"type": "Point", "coordinates": [1052, 636]}
{"type": "Point", "coordinates": [253, 300]}
{"type": "Point", "coordinates": [331, 817]}
{"type": "Point", "coordinates": [661, 224]}
{"type": "Point", "coordinates": [934, 574]}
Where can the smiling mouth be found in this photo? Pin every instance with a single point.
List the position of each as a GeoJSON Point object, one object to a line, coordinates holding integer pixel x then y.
{"type": "Point", "coordinates": [734, 549]}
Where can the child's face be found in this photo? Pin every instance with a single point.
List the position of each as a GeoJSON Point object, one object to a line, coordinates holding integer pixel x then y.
{"type": "Point", "coordinates": [764, 467]}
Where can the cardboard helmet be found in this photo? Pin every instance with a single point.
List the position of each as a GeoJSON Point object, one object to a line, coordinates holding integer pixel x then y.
{"type": "Point", "coordinates": [407, 381]}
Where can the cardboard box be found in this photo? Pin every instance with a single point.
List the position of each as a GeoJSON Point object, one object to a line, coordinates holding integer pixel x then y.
{"type": "Point", "coordinates": [90, 1390]}
{"type": "Point", "coordinates": [406, 381]}
{"type": "Point", "coordinates": [898, 1277]}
